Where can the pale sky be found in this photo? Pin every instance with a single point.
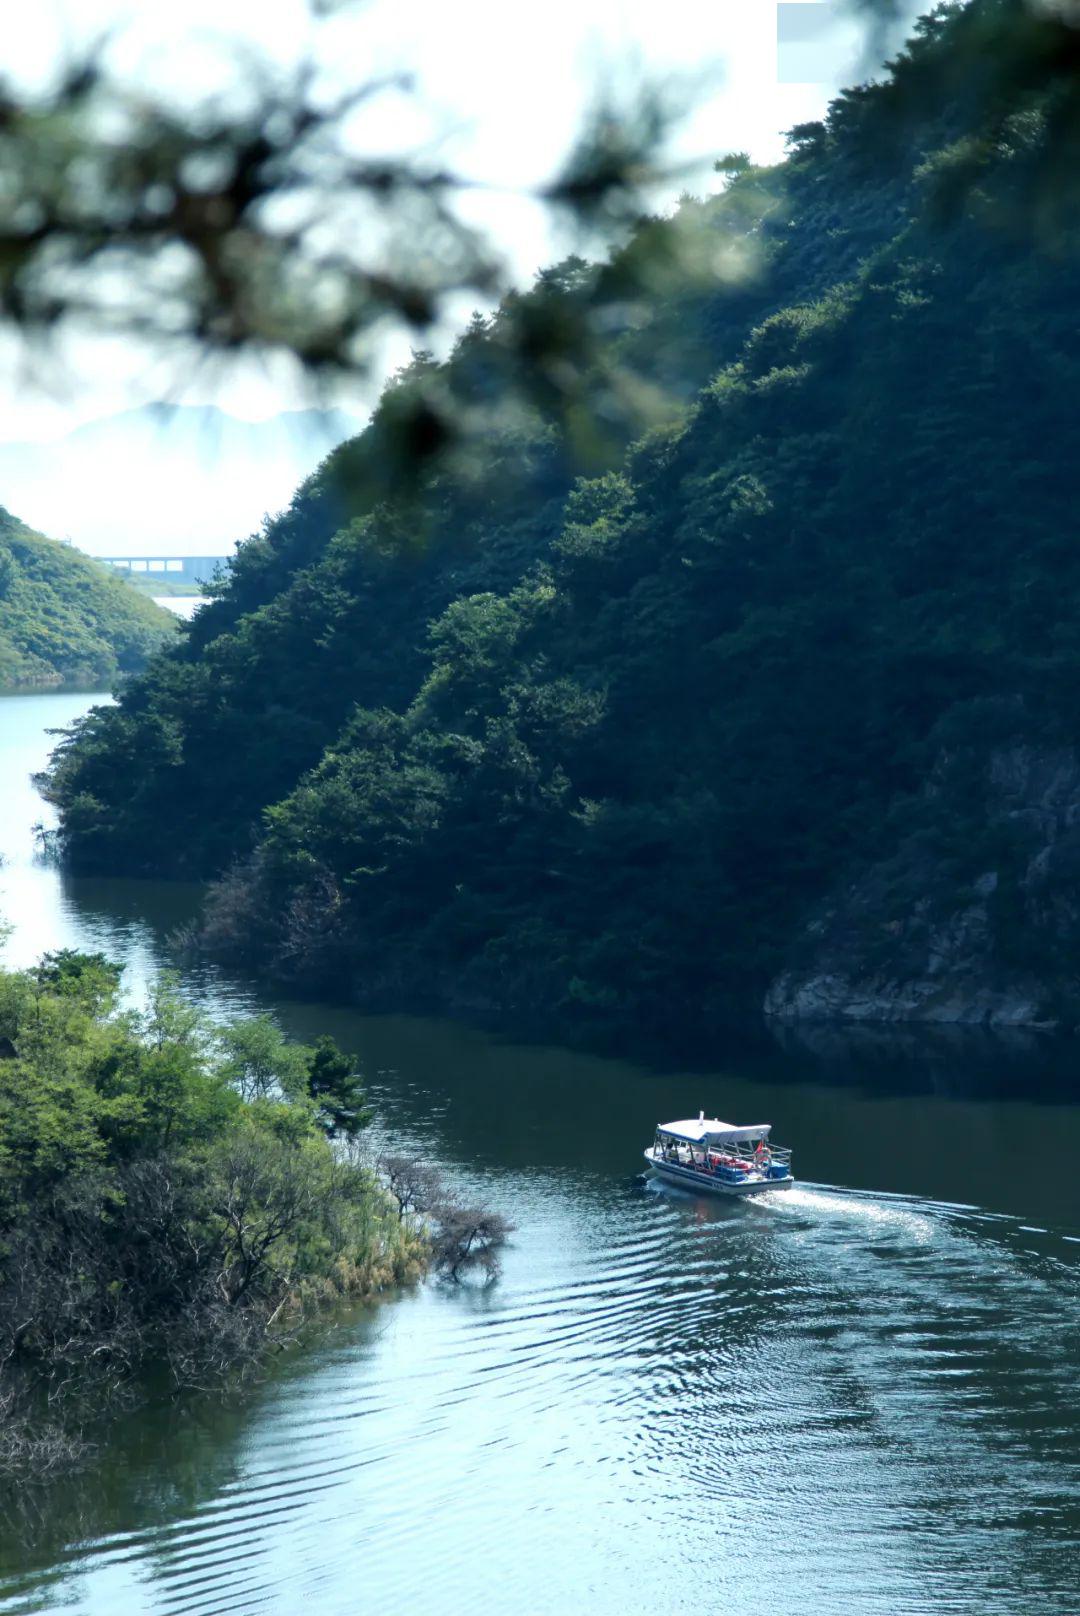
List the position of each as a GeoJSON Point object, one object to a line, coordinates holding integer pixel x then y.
{"type": "Point", "coordinates": [500, 91]}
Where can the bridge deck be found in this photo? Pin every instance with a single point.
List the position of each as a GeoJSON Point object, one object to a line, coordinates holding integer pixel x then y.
{"type": "Point", "coordinates": [189, 569]}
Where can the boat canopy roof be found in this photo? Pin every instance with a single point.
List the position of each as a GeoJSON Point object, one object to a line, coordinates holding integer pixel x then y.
{"type": "Point", "coordinates": [711, 1131]}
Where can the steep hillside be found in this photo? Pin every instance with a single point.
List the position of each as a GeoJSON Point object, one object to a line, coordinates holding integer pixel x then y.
{"type": "Point", "coordinates": [65, 619]}
{"type": "Point", "coordinates": [458, 486]}
{"type": "Point", "coordinates": [593, 748]}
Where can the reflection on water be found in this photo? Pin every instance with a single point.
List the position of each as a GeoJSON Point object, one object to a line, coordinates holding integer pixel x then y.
{"type": "Point", "coordinates": [46, 909]}
{"type": "Point", "coordinates": [855, 1397]}
{"type": "Point", "coordinates": [949, 1060]}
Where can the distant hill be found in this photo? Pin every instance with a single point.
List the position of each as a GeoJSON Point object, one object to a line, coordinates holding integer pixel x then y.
{"type": "Point", "coordinates": [167, 476]}
{"type": "Point", "coordinates": [66, 619]}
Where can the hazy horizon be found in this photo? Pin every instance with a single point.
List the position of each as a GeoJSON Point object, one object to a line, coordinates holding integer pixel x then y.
{"type": "Point", "coordinates": [500, 110]}
{"type": "Point", "coordinates": [191, 478]}
{"type": "Point", "coordinates": [77, 459]}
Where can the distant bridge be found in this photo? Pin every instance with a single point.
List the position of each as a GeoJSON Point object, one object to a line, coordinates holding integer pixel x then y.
{"type": "Point", "coordinates": [196, 569]}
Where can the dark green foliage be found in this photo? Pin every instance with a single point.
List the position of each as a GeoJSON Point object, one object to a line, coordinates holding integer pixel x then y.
{"type": "Point", "coordinates": [65, 618]}
{"type": "Point", "coordinates": [328, 609]}
{"type": "Point", "coordinates": [91, 979]}
{"type": "Point", "coordinates": [335, 1085]}
{"type": "Point", "coordinates": [585, 744]}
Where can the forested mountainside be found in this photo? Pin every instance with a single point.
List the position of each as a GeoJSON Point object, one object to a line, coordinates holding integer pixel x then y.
{"type": "Point", "coordinates": [64, 619]}
{"type": "Point", "coordinates": [589, 718]}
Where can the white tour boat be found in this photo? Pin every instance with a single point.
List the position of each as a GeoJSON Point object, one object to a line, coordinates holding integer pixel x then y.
{"type": "Point", "coordinates": [707, 1154]}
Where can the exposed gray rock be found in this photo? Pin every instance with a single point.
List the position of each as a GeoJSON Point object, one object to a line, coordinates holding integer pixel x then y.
{"type": "Point", "coordinates": [927, 935]}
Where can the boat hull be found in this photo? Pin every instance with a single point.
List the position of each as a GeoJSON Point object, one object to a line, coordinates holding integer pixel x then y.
{"type": "Point", "coordinates": [688, 1178]}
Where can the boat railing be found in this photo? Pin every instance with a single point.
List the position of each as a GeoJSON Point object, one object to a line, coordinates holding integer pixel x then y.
{"type": "Point", "coordinates": [745, 1151]}
{"type": "Point", "coordinates": [739, 1154]}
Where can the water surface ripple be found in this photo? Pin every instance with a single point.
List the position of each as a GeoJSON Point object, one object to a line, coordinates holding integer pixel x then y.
{"type": "Point", "coordinates": [859, 1404]}
{"type": "Point", "coordinates": [832, 1401]}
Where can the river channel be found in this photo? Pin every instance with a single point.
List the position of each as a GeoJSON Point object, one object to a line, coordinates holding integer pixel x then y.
{"type": "Point", "coordinates": [858, 1398]}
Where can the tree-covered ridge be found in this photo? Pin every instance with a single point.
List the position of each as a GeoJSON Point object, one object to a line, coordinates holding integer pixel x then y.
{"type": "Point", "coordinates": [64, 619]}
{"type": "Point", "coordinates": [457, 486]}
{"type": "Point", "coordinates": [590, 746]}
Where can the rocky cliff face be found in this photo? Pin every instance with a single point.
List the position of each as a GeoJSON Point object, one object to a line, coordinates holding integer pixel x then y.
{"type": "Point", "coordinates": [973, 918]}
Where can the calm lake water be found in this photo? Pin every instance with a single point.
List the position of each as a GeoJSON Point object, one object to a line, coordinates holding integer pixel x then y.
{"type": "Point", "coordinates": [859, 1397]}
{"type": "Point", "coordinates": [183, 605]}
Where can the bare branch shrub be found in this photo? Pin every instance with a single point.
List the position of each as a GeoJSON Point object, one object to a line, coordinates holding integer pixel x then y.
{"type": "Point", "coordinates": [462, 1237]}
{"type": "Point", "coordinates": [415, 1185]}
{"type": "Point", "coordinates": [468, 1237]}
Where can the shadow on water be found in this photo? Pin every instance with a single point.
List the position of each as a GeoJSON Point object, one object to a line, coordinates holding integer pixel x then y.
{"type": "Point", "coordinates": [487, 1105]}
{"type": "Point", "coordinates": [172, 1460]}
{"type": "Point", "coordinates": [951, 1061]}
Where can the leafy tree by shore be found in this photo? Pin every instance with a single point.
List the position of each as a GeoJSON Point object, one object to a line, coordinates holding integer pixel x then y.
{"type": "Point", "coordinates": [168, 1193]}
